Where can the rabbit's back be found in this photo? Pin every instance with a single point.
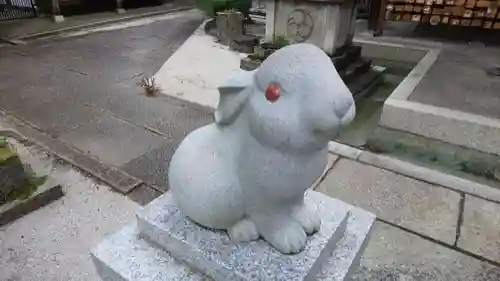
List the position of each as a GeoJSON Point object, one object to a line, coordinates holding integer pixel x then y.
{"type": "Point", "coordinates": [203, 180]}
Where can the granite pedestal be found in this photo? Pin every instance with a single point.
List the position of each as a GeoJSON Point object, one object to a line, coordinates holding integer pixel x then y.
{"type": "Point", "coordinates": [164, 245]}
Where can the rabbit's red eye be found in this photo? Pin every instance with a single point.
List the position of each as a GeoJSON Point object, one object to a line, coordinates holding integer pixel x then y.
{"type": "Point", "coordinates": [273, 92]}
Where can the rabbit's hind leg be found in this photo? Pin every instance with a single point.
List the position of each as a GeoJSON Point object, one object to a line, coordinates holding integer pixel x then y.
{"type": "Point", "coordinates": [243, 231]}
{"type": "Point", "coordinates": [282, 231]}
{"type": "Point", "coordinates": [308, 217]}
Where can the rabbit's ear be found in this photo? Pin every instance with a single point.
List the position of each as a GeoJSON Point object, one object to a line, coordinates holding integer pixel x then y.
{"type": "Point", "coordinates": [233, 97]}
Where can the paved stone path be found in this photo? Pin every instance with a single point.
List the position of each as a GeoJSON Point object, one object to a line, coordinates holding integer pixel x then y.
{"type": "Point", "coordinates": [82, 95]}
{"type": "Point", "coordinates": [424, 231]}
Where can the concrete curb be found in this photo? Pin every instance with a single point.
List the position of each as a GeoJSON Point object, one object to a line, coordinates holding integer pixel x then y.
{"type": "Point", "coordinates": [417, 172]}
{"type": "Point", "coordinates": [51, 33]}
{"type": "Point", "coordinates": [116, 178]}
{"type": "Point", "coordinates": [455, 127]}
{"type": "Point", "coordinates": [45, 194]}
{"type": "Point", "coordinates": [433, 122]}
{"type": "Point", "coordinates": [344, 150]}
{"type": "Point", "coordinates": [19, 209]}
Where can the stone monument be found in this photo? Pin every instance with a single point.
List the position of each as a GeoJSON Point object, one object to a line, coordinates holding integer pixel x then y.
{"type": "Point", "coordinates": [328, 24]}
{"type": "Point", "coordinates": [240, 206]}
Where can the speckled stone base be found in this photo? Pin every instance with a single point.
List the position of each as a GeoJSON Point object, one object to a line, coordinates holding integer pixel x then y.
{"type": "Point", "coordinates": [125, 256]}
{"type": "Point", "coordinates": [326, 256]}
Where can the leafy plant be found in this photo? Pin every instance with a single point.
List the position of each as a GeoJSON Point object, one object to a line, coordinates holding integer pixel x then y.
{"type": "Point", "coordinates": [280, 42]}
{"type": "Point", "coordinates": [277, 43]}
{"type": "Point", "coordinates": [149, 86]}
{"type": "Point", "coordinates": [31, 187]}
{"type": "Point", "coordinates": [212, 7]}
{"type": "Point", "coordinates": [3, 141]}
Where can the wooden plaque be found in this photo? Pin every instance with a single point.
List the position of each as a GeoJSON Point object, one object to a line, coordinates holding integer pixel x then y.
{"type": "Point", "coordinates": [465, 22]}
{"type": "Point", "coordinates": [458, 11]}
{"type": "Point", "coordinates": [406, 17]}
{"type": "Point", "coordinates": [483, 4]}
{"type": "Point", "coordinates": [491, 13]}
{"type": "Point", "coordinates": [487, 24]}
{"type": "Point", "coordinates": [399, 8]}
{"type": "Point", "coordinates": [416, 17]}
{"type": "Point", "coordinates": [408, 8]}
{"type": "Point", "coordinates": [435, 20]}
{"type": "Point", "coordinates": [477, 22]}
{"type": "Point", "coordinates": [468, 14]}
{"type": "Point", "coordinates": [437, 11]}
{"type": "Point", "coordinates": [469, 4]}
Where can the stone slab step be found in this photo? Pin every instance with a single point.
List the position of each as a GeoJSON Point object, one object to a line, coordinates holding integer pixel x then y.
{"type": "Point", "coordinates": [125, 256]}
{"type": "Point", "coordinates": [212, 253]}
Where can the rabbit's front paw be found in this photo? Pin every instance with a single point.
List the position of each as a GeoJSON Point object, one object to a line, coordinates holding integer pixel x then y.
{"type": "Point", "coordinates": [290, 239]}
{"type": "Point", "coordinates": [308, 217]}
{"type": "Point", "coordinates": [243, 231]}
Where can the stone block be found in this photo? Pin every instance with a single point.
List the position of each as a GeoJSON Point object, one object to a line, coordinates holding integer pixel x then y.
{"type": "Point", "coordinates": [480, 229]}
{"type": "Point", "coordinates": [229, 26]}
{"type": "Point", "coordinates": [344, 150]}
{"type": "Point", "coordinates": [425, 208]}
{"type": "Point", "coordinates": [58, 18]}
{"type": "Point", "coordinates": [212, 253]}
{"type": "Point", "coordinates": [327, 25]}
{"type": "Point", "coordinates": [125, 256]}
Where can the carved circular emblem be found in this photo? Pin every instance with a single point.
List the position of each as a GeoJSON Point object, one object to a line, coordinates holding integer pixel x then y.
{"type": "Point", "coordinates": [300, 25]}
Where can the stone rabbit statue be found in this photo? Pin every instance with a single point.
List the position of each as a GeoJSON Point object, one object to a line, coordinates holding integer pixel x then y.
{"type": "Point", "coordinates": [247, 172]}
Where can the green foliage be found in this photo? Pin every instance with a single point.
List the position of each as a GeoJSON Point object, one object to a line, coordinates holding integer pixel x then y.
{"type": "Point", "coordinates": [3, 141]}
{"type": "Point", "coordinates": [280, 42]}
{"type": "Point", "coordinates": [277, 43]}
{"type": "Point", "coordinates": [30, 188]}
{"type": "Point", "coordinates": [6, 155]}
{"type": "Point", "coordinates": [212, 7]}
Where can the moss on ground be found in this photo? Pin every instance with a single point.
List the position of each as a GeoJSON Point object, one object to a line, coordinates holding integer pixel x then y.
{"type": "Point", "coordinates": [24, 193]}
{"type": "Point", "coordinates": [6, 154]}
{"type": "Point", "coordinates": [9, 157]}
